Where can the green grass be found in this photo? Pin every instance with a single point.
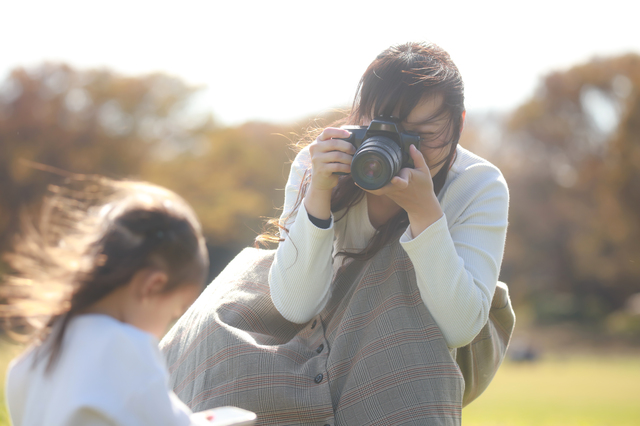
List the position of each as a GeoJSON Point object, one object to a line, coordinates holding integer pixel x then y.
{"type": "Point", "coordinates": [7, 352]}
{"type": "Point", "coordinates": [568, 391]}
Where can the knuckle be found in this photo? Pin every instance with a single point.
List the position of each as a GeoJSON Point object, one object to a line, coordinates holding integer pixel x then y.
{"type": "Point", "coordinates": [326, 133]}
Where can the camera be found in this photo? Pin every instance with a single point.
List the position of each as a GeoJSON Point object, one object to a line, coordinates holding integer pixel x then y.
{"type": "Point", "coordinates": [382, 149]}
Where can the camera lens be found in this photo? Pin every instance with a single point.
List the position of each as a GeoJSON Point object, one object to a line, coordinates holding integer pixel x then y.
{"type": "Point", "coordinates": [372, 169]}
{"type": "Point", "coordinates": [377, 161]}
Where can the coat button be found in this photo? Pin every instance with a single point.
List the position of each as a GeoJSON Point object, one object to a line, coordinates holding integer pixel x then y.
{"type": "Point", "coordinates": [320, 348]}
{"type": "Point", "coordinates": [314, 324]}
{"type": "Point", "coordinates": [318, 378]}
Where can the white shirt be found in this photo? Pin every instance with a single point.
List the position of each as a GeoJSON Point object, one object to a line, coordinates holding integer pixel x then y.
{"type": "Point", "coordinates": [108, 373]}
{"type": "Point", "coordinates": [456, 260]}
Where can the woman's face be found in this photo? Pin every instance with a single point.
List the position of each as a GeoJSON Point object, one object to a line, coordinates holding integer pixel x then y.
{"type": "Point", "coordinates": [431, 127]}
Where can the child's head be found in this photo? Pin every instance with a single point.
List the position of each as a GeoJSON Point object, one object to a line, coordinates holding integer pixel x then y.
{"type": "Point", "coordinates": [149, 259]}
{"type": "Point", "coordinates": [132, 250]}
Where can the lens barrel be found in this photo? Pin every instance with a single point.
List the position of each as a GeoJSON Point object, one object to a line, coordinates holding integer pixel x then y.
{"type": "Point", "coordinates": [376, 162]}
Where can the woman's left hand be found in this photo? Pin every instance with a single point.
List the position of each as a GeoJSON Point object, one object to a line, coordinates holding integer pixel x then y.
{"type": "Point", "coordinates": [412, 189]}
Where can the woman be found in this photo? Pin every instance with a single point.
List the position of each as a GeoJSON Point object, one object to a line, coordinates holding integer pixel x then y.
{"type": "Point", "coordinates": [456, 255]}
{"type": "Point", "coordinates": [354, 318]}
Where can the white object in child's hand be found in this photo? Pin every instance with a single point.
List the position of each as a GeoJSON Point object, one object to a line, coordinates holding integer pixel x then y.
{"type": "Point", "coordinates": [224, 416]}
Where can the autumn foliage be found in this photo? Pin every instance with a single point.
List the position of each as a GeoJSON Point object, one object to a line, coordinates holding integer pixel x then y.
{"type": "Point", "coordinates": [571, 156]}
{"type": "Point", "coordinates": [98, 122]}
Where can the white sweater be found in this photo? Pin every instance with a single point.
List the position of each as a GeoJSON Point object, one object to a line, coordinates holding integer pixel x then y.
{"type": "Point", "coordinates": [108, 373]}
{"type": "Point", "coordinates": [456, 260]}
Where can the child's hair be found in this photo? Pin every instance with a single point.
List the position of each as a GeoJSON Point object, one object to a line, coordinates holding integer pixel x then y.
{"type": "Point", "coordinates": [94, 234]}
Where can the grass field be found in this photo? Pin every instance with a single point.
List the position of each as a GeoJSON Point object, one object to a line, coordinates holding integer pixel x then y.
{"type": "Point", "coordinates": [7, 352]}
{"type": "Point", "coordinates": [555, 391]}
{"type": "Point", "coordinates": [566, 391]}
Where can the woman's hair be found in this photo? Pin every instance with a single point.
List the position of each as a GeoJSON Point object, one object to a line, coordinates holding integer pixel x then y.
{"type": "Point", "coordinates": [94, 234]}
{"type": "Point", "coordinates": [398, 80]}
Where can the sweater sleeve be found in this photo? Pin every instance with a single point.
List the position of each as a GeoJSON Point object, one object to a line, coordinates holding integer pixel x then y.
{"type": "Point", "coordinates": [300, 276]}
{"type": "Point", "coordinates": [457, 264]}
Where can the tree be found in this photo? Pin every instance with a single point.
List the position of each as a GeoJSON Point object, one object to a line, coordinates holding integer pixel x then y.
{"type": "Point", "coordinates": [82, 122]}
{"type": "Point", "coordinates": [233, 184]}
{"type": "Point", "coordinates": [575, 197]}
{"type": "Point", "coordinates": [144, 127]}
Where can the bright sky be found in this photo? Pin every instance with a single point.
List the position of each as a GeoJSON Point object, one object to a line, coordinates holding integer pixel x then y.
{"type": "Point", "coordinates": [285, 60]}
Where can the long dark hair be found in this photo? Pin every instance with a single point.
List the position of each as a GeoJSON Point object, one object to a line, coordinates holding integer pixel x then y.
{"type": "Point", "coordinates": [395, 83]}
{"type": "Point", "coordinates": [94, 234]}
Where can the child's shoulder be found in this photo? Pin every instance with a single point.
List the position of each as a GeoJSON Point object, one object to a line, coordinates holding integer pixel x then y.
{"type": "Point", "coordinates": [105, 327]}
{"type": "Point", "coordinates": [104, 337]}
{"type": "Point", "coordinates": [101, 362]}
{"type": "Point", "coordinates": [101, 353]}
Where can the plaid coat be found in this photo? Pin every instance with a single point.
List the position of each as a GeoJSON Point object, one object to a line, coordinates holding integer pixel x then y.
{"type": "Point", "coordinates": [373, 356]}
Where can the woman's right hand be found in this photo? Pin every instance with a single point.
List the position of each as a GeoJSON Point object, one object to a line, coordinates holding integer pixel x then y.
{"type": "Point", "coordinates": [328, 156]}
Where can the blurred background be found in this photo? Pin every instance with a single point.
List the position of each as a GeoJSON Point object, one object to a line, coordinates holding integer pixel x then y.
{"type": "Point", "coordinates": [206, 98]}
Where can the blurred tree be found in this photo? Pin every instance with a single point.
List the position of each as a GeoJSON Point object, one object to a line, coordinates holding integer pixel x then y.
{"type": "Point", "coordinates": [146, 127]}
{"type": "Point", "coordinates": [233, 183]}
{"type": "Point", "coordinates": [574, 237]}
{"type": "Point", "coordinates": [83, 122]}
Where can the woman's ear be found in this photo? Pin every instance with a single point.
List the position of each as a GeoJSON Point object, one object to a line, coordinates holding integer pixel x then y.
{"type": "Point", "coordinates": [464, 115]}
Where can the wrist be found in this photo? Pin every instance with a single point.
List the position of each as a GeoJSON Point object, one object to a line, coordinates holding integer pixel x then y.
{"type": "Point", "coordinates": [423, 218]}
{"type": "Point", "coordinates": [317, 202]}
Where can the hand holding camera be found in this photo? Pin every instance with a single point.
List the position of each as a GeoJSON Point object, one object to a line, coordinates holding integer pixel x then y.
{"type": "Point", "coordinates": [330, 156]}
{"type": "Point", "coordinates": [374, 154]}
{"type": "Point", "coordinates": [382, 151]}
{"type": "Point", "coordinates": [412, 189]}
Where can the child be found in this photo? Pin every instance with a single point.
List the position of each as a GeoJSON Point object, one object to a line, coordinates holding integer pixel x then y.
{"type": "Point", "coordinates": [110, 267]}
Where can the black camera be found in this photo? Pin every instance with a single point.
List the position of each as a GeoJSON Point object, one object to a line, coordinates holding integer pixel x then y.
{"type": "Point", "coordinates": [382, 149]}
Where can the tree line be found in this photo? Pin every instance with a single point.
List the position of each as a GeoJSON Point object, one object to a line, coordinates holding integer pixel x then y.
{"type": "Point", "coordinates": [570, 154]}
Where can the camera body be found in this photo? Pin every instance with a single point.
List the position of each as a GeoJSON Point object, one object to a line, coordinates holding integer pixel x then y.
{"type": "Point", "coordinates": [382, 149]}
